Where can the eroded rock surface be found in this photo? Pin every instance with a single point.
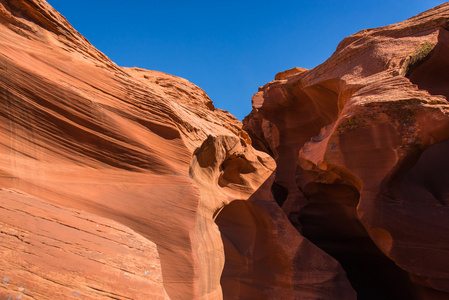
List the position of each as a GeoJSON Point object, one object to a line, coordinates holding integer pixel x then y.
{"type": "Point", "coordinates": [147, 158]}
{"type": "Point", "coordinates": [53, 251]}
{"type": "Point", "coordinates": [361, 147]}
{"type": "Point", "coordinates": [127, 183]}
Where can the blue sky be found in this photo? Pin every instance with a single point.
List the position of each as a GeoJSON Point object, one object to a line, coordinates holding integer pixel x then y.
{"type": "Point", "coordinates": [228, 48]}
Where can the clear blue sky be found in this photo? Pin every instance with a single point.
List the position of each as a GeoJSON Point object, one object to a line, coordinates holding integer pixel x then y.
{"type": "Point", "coordinates": [228, 48]}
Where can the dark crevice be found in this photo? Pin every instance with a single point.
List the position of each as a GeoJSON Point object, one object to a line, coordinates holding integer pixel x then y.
{"type": "Point", "coordinates": [430, 72]}
{"type": "Point", "coordinates": [279, 192]}
{"type": "Point", "coordinates": [330, 221]}
{"type": "Point", "coordinates": [426, 180]}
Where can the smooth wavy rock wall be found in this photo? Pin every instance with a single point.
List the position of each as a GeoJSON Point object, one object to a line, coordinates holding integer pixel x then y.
{"type": "Point", "coordinates": [361, 144]}
{"type": "Point", "coordinates": [123, 183]}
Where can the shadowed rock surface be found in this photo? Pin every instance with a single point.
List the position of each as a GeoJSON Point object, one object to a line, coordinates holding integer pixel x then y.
{"type": "Point", "coordinates": [361, 145]}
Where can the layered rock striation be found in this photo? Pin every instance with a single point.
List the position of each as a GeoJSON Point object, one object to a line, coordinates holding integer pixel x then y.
{"type": "Point", "coordinates": [360, 144]}
{"type": "Point", "coordinates": [125, 183]}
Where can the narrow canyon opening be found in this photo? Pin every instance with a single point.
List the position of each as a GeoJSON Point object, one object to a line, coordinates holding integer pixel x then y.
{"type": "Point", "coordinates": [329, 220]}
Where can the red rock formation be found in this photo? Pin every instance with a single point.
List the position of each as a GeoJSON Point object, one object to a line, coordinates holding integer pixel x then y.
{"type": "Point", "coordinates": [361, 147]}
{"type": "Point", "coordinates": [119, 183]}
{"type": "Point", "coordinates": [288, 73]}
{"type": "Point", "coordinates": [53, 251]}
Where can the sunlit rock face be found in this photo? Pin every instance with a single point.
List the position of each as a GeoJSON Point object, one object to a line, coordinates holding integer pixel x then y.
{"type": "Point", "coordinates": [361, 147]}
{"type": "Point", "coordinates": [125, 183]}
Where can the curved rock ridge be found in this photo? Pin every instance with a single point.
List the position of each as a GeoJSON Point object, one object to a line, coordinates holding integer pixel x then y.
{"type": "Point", "coordinates": [361, 147]}
{"type": "Point", "coordinates": [123, 183]}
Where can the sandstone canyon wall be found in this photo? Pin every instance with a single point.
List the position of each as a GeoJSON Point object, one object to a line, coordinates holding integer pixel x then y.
{"type": "Point", "coordinates": [124, 183]}
{"type": "Point", "coordinates": [361, 147]}
{"type": "Point", "coordinates": [112, 179]}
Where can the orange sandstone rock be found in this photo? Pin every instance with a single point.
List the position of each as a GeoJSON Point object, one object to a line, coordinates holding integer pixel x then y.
{"type": "Point", "coordinates": [288, 73]}
{"type": "Point", "coordinates": [50, 251]}
{"type": "Point", "coordinates": [123, 183]}
{"type": "Point", "coordinates": [361, 147]}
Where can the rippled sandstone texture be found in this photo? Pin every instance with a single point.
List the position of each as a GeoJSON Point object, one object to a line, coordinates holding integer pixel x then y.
{"type": "Point", "coordinates": [361, 144]}
{"type": "Point", "coordinates": [123, 183]}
